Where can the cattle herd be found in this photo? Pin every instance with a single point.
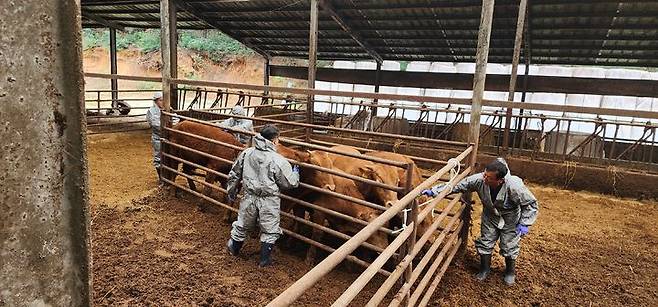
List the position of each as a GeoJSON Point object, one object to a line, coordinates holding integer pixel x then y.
{"type": "Point", "coordinates": [218, 157]}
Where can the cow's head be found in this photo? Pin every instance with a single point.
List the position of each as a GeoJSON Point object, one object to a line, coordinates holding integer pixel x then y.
{"type": "Point", "coordinates": [316, 177]}
{"type": "Point", "coordinates": [378, 238]}
{"type": "Point", "coordinates": [385, 175]}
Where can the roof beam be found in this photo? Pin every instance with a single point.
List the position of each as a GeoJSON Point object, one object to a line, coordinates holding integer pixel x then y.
{"type": "Point", "coordinates": [194, 12]}
{"type": "Point", "coordinates": [90, 16]}
{"type": "Point", "coordinates": [119, 2]}
{"type": "Point", "coordinates": [340, 20]}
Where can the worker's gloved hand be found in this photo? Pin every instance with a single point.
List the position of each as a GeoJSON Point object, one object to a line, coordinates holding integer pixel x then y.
{"type": "Point", "coordinates": [435, 190]}
{"type": "Point", "coordinates": [230, 198]}
{"type": "Point", "coordinates": [428, 192]}
{"type": "Point", "coordinates": [522, 230]}
{"type": "Point", "coordinates": [295, 168]}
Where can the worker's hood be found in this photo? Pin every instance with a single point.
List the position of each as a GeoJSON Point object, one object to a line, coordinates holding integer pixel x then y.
{"type": "Point", "coordinates": [263, 144]}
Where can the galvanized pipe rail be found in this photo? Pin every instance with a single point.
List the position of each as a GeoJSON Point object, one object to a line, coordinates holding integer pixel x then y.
{"type": "Point", "coordinates": [304, 185]}
{"type": "Point", "coordinates": [454, 101]}
{"type": "Point", "coordinates": [285, 231]}
{"type": "Point", "coordinates": [310, 166]}
{"type": "Point", "coordinates": [402, 137]}
{"type": "Point", "coordinates": [282, 195]}
{"type": "Point", "coordinates": [314, 275]}
{"type": "Point", "coordinates": [293, 142]}
{"type": "Point", "coordinates": [405, 264]}
{"type": "Point", "coordinates": [286, 214]}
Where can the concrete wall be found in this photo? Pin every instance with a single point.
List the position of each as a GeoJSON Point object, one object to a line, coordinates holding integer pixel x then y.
{"type": "Point", "coordinates": [44, 258]}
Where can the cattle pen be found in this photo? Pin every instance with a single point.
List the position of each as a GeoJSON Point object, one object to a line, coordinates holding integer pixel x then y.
{"type": "Point", "coordinates": [435, 84]}
{"type": "Point", "coordinates": [418, 126]}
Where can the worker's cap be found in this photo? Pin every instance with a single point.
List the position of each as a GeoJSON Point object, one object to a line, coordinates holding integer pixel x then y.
{"type": "Point", "coordinates": [157, 95]}
{"type": "Point", "coordinates": [237, 110]}
{"type": "Point", "coordinates": [269, 132]}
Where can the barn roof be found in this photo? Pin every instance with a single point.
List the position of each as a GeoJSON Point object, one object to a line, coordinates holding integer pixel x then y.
{"type": "Point", "coordinates": [595, 32]}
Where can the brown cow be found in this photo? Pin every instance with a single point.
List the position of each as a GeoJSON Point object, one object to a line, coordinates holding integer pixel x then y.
{"type": "Point", "coordinates": [309, 176]}
{"type": "Point", "coordinates": [416, 180]}
{"type": "Point", "coordinates": [369, 170]}
{"type": "Point", "coordinates": [346, 187]}
{"type": "Point", "coordinates": [221, 151]}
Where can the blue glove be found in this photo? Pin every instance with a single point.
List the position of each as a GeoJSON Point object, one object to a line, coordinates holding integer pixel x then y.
{"type": "Point", "coordinates": [295, 168]}
{"type": "Point", "coordinates": [428, 192]}
{"type": "Point", "coordinates": [522, 230]}
{"type": "Point", "coordinates": [433, 192]}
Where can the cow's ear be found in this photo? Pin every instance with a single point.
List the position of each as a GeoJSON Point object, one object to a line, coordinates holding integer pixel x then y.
{"type": "Point", "coordinates": [367, 169]}
{"type": "Point", "coordinates": [305, 156]}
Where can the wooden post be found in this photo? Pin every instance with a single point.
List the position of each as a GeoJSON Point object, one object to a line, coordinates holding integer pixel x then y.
{"type": "Point", "coordinates": [518, 40]}
{"type": "Point", "coordinates": [114, 84]}
{"type": "Point", "coordinates": [480, 76]}
{"type": "Point", "coordinates": [527, 57]}
{"type": "Point", "coordinates": [168, 45]}
{"type": "Point", "coordinates": [312, 59]}
{"type": "Point", "coordinates": [266, 75]}
{"type": "Point", "coordinates": [412, 216]}
{"type": "Point", "coordinates": [479, 79]}
{"type": "Point", "coordinates": [373, 110]}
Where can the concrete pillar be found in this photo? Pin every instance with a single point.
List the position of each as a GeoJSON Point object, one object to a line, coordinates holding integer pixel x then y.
{"type": "Point", "coordinates": [44, 241]}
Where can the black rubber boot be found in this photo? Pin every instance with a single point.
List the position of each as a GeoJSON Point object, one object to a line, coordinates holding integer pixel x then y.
{"type": "Point", "coordinates": [234, 247]}
{"type": "Point", "coordinates": [265, 254]}
{"type": "Point", "coordinates": [485, 267]}
{"type": "Point", "coordinates": [159, 172]}
{"type": "Point", "coordinates": [510, 271]}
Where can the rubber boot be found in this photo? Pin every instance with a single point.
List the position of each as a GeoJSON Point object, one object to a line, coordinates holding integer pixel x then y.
{"type": "Point", "coordinates": [510, 271]}
{"type": "Point", "coordinates": [159, 172]}
{"type": "Point", "coordinates": [265, 254]}
{"type": "Point", "coordinates": [234, 247]}
{"type": "Point", "coordinates": [485, 267]}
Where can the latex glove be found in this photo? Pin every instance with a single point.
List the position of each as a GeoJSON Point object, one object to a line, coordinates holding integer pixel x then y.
{"type": "Point", "coordinates": [435, 190]}
{"type": "Point", "coordinates": [428, 192]}
{"type": "Point", "coordinates": [522, 230]}
{"type": "Point", "coordinates": [295, 168]}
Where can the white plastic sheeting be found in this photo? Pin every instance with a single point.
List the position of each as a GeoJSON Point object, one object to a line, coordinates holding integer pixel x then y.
{"type": "Point", "coordinates": [392, 66]}
{"type": "Point", "coordinates": [621, 102]}
{"type": "Point", "coordinates": [616, 102]}
{"type": "Point", "coordinates": [440, 67]}
{"type": "Point", "coordinates": [582, 100]}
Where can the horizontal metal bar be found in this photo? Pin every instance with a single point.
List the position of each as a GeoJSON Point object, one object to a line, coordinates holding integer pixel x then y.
{"type": "Point", "coordinates": [302, 164]}
{"type": "Point", "coordinates": [286, 231]}
{"type": "Point", "coordinates": [320, 270]}
{"type": "Point", "coordinates": [284, 196]}
{"type": "Point", "coordinates": [117, 123]}
{"type": "Point", "coordinates": [286, 214]}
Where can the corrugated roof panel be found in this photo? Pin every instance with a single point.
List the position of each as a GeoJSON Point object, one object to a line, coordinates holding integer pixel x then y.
{"type": "Point", "coordinates": [560, 31]}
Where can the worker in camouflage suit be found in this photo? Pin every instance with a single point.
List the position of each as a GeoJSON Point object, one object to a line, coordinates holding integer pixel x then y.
{"type": "Point", "coordinates": [239, 123]}
{"type": "Point", "coordinates": [153, 119]}
{"type": "Point", "coordinates": [263, 173]}
{"type": "Point", "coordinates": [509, 211]}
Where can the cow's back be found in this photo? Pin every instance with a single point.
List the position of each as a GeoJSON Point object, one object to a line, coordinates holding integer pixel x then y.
{"type": "Point", "coordinates": [205, 131]}
{"type": "Point", "coordinates": [345, 163]}
{"type": "Point", "coordinates": [417, 177]}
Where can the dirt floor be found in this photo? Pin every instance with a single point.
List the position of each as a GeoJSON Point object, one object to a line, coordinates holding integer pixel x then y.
{"type": "Point", "coordinates": [150, 249]}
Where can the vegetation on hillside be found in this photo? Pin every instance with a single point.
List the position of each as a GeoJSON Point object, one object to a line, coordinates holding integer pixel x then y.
{"type": "Point", "coordinates": [214, 44]}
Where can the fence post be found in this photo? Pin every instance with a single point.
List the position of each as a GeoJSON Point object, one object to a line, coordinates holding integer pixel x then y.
{"type": "Point", "coordinates": [411, 212]}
